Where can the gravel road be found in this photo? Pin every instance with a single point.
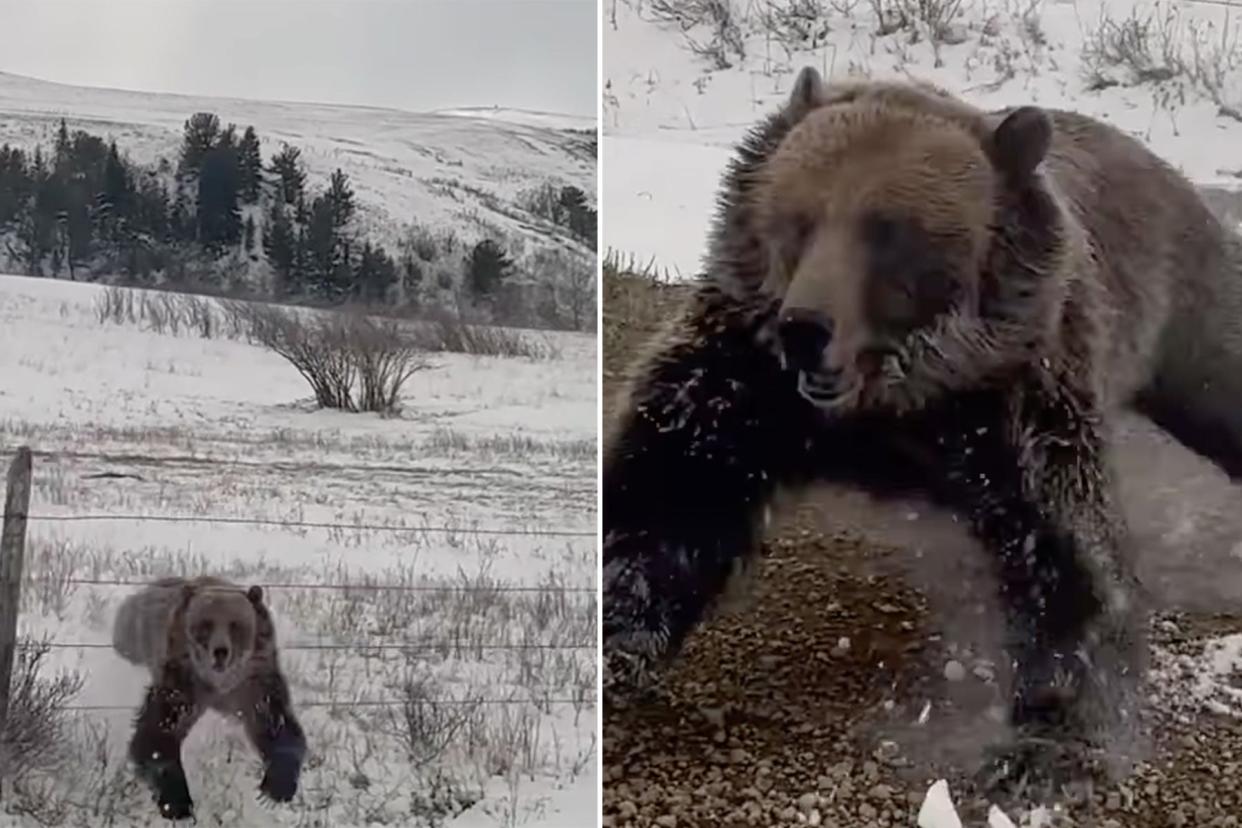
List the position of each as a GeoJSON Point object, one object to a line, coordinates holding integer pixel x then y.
{"type": "Point", "coordinates": [860, 665]}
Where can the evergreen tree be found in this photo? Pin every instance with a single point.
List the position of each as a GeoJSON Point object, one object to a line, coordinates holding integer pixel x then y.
{"type": "Point", "coordinates": [375, 274]}
{"type": "Point", "coordinates": [63, 146]}
{"type": "Point", "coordinates": [290, 174]}
{"type": "Point", "coordinates": [15, 185]}
{"type": "Point", "coordinates": [280, 245]}
{"type": "Point", "coordinates": [486, 269]}
{"type": "Point", "coordinates": [35, 227]}
{"type": "Point", "coordinates": [324, 252]}
{"type": "Point", "coordinates": [218, 213]}
{"type": "Point", "coordinates": [115, 202]}
{"type": "Point", "coordinates": [341, 198]}
{"type": "Point", "coordinates": [249, 234]}
{"type": "Point", "coordinates": [579, 217]}
{"type": "Point", "coordinates": [200, 136]}
{"type": "Point", "coordinates": [250, 166]}
{"type": "Point", "coordinates": [228, 137]}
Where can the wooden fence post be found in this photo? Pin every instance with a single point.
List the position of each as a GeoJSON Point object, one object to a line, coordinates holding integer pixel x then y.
{"type": "Point", "coordinates": [12, 548]}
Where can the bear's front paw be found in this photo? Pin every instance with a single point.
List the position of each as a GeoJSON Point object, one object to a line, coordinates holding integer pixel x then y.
{"type": "Point", "coordinates": [173, 797]}
{"type": "Point", "coordinates": [1093, 693]}
{"type": "Point", "coordinates": [636, 630]}
{"type": "Point", "coordinates": [1035, 767]}
{"type": "Point", "coordinates": [280, 779]}
{"type": "Point", "coordinates": [630, 664]}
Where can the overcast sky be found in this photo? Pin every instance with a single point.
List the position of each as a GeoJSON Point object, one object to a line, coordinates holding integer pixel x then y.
{"type": "Point", "coordinates": [411, 54]}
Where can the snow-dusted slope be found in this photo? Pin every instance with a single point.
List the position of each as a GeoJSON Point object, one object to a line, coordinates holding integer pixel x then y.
{"type": "Point", "coordinates": [670, 116]}
{"type": "Point", "coordinates": [530, 117]}
{"type": "Point", "coordinates": [158, 429]}
{"type": "Point", "coordinates": [441, 170]}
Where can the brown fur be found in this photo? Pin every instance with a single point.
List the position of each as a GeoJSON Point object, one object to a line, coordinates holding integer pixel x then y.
{"type": "Point", "coordinates": [209, 644]}
{"type": "Point", "coordinates": [983, 290]}
{"type": "Point", "coordinates": [184, 620]}
{"type": "Point", "coordinates": [1126, 266]}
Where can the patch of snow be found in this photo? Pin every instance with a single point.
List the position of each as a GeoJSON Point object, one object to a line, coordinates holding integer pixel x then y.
{"type": "Point", "coordinates": [218, 428]}
{"type": "Point", "coordinates": [670, 118]}
{"type": "Point", "coordinates": [937, 810]}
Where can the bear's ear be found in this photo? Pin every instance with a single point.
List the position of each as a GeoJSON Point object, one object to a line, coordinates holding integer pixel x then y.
{"type": "Point", "coordinates": [255, 594]}
{"type": "Point", "coordinates": [1020, 142]}
{"type": "Point", "coordinates": [808, 91]}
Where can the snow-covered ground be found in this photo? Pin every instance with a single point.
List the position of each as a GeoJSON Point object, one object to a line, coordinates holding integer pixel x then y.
{"type": "Point", "coordinates": [671, 117]}
{"type": "Point", "coordinates": [672, 113]}
{"type": "Point", "coordinates": [465, 525]}
{"type": "Point", "coordinates": [443, 170]}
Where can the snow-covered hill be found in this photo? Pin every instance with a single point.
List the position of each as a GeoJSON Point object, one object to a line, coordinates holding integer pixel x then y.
{"type": "Point", "coordinates": [440, 170]}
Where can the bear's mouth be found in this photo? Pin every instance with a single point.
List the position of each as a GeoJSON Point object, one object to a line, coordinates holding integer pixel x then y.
{"type": "Point", "coordinates": [824, 390]}
{"type": "Point", "coordinates": [832, 390]}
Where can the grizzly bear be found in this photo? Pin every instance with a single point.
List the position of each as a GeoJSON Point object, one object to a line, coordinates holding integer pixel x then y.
{"type": "Point", "coordinates": [208, 644]}
{"type": "Point", "coordinates": [910, 295]}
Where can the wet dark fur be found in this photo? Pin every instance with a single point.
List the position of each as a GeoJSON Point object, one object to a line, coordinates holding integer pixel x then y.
{"type": "Point", "coordinates": [177, 698]}
{"type": "Point", "coordinates": [1107, 283]}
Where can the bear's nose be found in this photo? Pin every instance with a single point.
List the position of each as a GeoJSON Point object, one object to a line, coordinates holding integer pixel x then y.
{"type": "Point", "coordinates": [804, 336]}
{"type": "Point", "coordinates": [220, 654]}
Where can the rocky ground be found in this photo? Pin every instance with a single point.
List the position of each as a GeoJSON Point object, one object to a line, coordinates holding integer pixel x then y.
{"type": "Point", "coordinates": [846, 683]}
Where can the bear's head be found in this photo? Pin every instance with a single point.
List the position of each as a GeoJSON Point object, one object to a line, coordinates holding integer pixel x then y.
{"type": "Point", "coordinates": [221, 628]}
{"type": "Point", "coordinates": [909, 239]}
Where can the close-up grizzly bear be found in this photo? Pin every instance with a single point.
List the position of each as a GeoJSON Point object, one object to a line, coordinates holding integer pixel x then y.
{"type": "Point", "coordinates": [208, 644]}
{"type": "Point", "coordinates": [911, 295]}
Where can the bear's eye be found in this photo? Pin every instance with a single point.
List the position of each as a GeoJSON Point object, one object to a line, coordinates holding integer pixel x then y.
{"type": "Point", "coordinates": [202, 630]}
{"type": "Point", "coordinates": [793, 236]}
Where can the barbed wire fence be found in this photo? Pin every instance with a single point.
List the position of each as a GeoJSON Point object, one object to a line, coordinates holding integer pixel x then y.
{"type": "Point", "coordinates": [17, 517]}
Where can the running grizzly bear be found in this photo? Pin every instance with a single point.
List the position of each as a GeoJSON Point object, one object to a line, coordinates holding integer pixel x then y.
{"type": "Point", "coordinates": [208, 644]}
{"type": "Point", "coordinates": [905, 293]}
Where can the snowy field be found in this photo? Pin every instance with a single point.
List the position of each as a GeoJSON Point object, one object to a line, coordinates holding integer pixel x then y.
{"type": "Point", "coordinates": [671, 117]}
{"type": "Point", "coordinates": [682, 87]}
{"type": "Point", "coordinates": [438, 633]}
{"type": "Point", "coordinates": [462, 169]}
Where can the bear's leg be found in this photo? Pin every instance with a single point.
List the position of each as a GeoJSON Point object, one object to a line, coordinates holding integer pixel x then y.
{"type": "Point", "coordinates": [710, 429]}
{"type": "Point", "coordinates": [1195, 393]}
{"type": "Point", "coordinates": [1199, 402]}
{"type": "Point", "coordinates": [267, 713]}
{"type": "Point", "coordinates": [168, 713]}
{"type": "Point", "coordinates": [1029, 471]}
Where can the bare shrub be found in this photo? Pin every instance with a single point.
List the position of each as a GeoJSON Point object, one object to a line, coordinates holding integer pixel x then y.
{"type": "Point", "coordinates": [384, 357]}
{"type": "Point", "coordinates": [890, 16]}
{"type": "Point", "coordinates": [1143, 48]}
{"type": "Point", "coordinates": [35, 735]}
{"type": "Point", "coordinates": [352, 362]}
{"type": "Point", "coordinates": [316, 347]}
{"type": "Point", "coordinates": [719, 16]}
{"type": "Point", "coordinates": [162, 312]}
{"type": "Point", "coordinates": [53, 564]}
{"type": "Point", "coordinates": [451, 333]}
{"type": "Point", "coordinates": [429, 720]}
{"type": "Point", "coordinates": [935, 19]}
{"type": "Point", "coordinates": [797, 22]}
{"type": "Point", "coordinates": [115, 305]}
{"type": "Point", "coordinates": [1215, 65]}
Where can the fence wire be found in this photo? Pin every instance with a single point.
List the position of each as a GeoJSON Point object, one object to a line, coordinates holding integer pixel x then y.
{"type": "Point", "coordinates": [312, 524]}
{"type": "Point", "coordinates": [338, 587]}
{"type": "Point", "coordinates": [585, 701]}
{"type": "Point", "coordinates": [355, 646]}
